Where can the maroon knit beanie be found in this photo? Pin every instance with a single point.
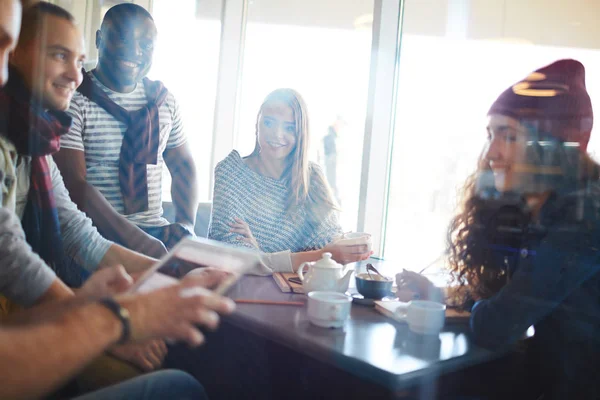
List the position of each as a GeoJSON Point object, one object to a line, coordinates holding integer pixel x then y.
{"type": "Point", "coordinates": [554, 100]}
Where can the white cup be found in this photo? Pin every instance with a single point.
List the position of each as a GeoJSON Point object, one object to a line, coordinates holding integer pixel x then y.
{"type": "Point", "coordinates": [354, 238]}
{"type": "Point", "coordinates": [353, 242]}
{"type": "Point", "coordinates": [328, 309]}
{"type": "Point", "coordinates": [423, 316]}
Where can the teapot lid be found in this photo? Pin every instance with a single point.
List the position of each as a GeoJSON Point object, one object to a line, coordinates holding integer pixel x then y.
{"type": "Point", "coordinates": [327, 262]}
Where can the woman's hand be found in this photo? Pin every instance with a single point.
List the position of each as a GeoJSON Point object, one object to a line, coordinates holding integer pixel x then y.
{"type": "Point", "coordinates": [347, 254]}
{"type": "Point", "coordinates": [243, 229]}
{"type": "Point", "coordinates": [412, 285]}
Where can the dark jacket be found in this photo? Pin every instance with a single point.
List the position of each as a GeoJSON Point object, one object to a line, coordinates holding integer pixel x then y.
{"type": "Point", "coordinates": [554, 286]}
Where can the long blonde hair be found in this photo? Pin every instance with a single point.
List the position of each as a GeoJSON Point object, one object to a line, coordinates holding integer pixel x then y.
{"type": "Point", "coordinates": [308, 186]}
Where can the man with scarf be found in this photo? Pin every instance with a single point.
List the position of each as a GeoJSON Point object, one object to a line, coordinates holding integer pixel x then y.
{"type": "Point", "coordinates": [44, 73]}
{"type": "Point", "coordinates": [125, 127]}
{"type": "Point", "coordinates": [74, 330]}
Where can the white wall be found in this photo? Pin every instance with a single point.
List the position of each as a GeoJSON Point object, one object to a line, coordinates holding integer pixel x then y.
{"type": "Point", "coordinates": [573, 21]}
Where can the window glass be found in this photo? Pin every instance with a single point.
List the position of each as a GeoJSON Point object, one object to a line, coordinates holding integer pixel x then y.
{"type": "Point", "coordinates": [450, 72]}
{"type": "Point", "coordinates": [322, 50]}
{"type": "Point", "coordinates": [186, 60]}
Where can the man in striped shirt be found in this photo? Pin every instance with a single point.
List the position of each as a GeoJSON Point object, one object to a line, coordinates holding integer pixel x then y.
{"type": "Point", "coordinates": [124, 128]}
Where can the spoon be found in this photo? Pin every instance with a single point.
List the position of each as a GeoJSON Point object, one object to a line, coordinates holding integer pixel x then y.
{"type": "Point", "coordinates": [370, 268]}
{"type": "Point", "coordinates": [434, 261]}
{"type": "Point", "coordinates": [369, 271]}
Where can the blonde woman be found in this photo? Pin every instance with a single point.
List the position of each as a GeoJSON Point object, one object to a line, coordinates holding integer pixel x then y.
{"type": "Point", "coordinates": [275, 200]}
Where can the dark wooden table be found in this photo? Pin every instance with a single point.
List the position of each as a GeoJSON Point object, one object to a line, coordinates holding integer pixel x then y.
{"type": "Point", "coordinates": [268, 351]}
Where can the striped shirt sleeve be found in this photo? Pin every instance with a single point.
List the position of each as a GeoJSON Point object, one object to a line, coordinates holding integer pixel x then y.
{"type": "Point", "coordinates": [74, 138]}
{"type": "Point", "coordinates": [176, 136]}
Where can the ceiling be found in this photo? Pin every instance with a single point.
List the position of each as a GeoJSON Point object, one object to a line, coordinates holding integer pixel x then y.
{"type": "Point", "coordinates": [568, 23]}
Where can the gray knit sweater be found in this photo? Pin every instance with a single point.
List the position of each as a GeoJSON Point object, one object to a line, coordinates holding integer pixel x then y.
{"type": "Point", "coordinates": [260, 202]}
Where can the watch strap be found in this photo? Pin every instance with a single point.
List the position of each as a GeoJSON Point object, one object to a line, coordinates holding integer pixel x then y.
{"type": "Point", "coordinates": [122, 314]}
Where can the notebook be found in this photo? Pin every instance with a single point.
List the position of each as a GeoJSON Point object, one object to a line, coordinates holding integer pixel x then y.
{"type": "Point", "coordinates": [389, 308]}
{"type": "Point", "coordinates": [282, 280]}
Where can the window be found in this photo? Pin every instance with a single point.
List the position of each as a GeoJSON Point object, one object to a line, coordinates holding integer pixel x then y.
{"type": "Point", "coordinates": [186, 61]}
{"type": "Point", "coordinates": [322, 50]}
{"type": "Point", "coordinates": [457, 56]}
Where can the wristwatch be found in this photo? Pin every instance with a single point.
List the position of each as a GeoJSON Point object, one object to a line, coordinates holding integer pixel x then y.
{"type": "Point", "coordinates": [122, 314]}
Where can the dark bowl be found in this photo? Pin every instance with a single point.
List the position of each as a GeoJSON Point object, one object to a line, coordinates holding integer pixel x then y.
{"type": "Point", "coordinates": [373, 289]}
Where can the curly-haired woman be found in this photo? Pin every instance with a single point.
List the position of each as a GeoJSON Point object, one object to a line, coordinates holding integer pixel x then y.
{"type": "Point", "coordinates": [524, 246]}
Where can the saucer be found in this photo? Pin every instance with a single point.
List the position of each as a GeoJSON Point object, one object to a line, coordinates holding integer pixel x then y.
{"type": "Point", "coordinates": [360, 299]}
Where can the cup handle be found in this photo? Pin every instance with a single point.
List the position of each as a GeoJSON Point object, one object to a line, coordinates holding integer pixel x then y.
{"type": "Point", "coordinates": [401, 312]}
{"type": "Point", "coordinates": [300, 271]}
{"type": "Point", "coordinates": [334, 311]}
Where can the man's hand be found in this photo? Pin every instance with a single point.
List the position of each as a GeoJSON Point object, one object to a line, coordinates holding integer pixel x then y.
{"type": "Point", "coordinates": [150, 246]}
{"type": "Point", "coordinates": [146, 356]}
{"type": "Point", "coordinates": [209, 276]}
{"type": "Point", "coordinates": [106, 282]}
{"type": "Point", "coordinates": [175, 312]}
{"type": "Point", "coordinates": [174, 233]}
{"type": "Point", "coordinates": [181, 230]}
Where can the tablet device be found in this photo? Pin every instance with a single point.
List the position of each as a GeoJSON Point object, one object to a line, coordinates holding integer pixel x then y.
{"type": "Point", "coordinates": [193, 253]}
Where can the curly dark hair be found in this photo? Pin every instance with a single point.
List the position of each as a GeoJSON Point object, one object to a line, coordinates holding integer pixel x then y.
{"type": "Point", "coordinates": [470, 260]}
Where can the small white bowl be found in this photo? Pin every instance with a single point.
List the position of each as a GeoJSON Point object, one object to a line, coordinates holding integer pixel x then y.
{"type": "Point", "coordinates": [328, 309]}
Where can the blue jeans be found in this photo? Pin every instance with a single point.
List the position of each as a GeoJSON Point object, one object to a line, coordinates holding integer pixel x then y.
{"type": "Point", "coordinates": [160, 385]}
{"type": "Point", "coordinates": [170, 235]}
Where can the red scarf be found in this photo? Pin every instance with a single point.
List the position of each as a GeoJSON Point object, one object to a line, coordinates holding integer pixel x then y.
{"type": "Point", "coordinates": [35, 133]}
{"type": "Point", "coordinates": [140, 142]}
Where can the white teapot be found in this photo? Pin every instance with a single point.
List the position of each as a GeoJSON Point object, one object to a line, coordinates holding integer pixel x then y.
{"type": "Point", "coordinates": [325, 275]}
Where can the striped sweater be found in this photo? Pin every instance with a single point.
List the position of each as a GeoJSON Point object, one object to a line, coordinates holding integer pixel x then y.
{"type": "Point", "coordinates": [260, 202]}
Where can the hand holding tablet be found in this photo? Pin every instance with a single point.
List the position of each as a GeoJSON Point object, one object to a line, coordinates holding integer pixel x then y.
{"type": "Point", "coordinates": [218, 264]}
